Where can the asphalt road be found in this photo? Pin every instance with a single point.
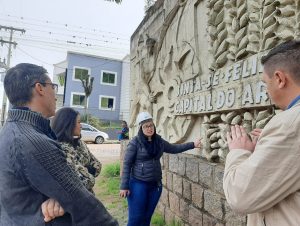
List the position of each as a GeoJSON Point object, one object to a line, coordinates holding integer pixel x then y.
{"type": "Point", "coordinates": [105, 153]}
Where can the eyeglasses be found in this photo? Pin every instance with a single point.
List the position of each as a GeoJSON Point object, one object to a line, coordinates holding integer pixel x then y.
{"type": "Point", "coordinates": [54, 85]}
{"type": "Point", "coordinates": [148, 126]}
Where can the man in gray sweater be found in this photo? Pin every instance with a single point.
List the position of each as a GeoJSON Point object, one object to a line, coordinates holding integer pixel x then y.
{"type": "Point", "coordinates": [32, 165]}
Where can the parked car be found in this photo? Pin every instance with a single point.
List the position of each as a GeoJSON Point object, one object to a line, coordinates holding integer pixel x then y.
{"type": "Point", "coordinates": [91, 134]}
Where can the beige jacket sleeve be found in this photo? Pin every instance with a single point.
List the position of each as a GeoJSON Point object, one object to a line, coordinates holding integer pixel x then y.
{"type": "Point", "coordinates": [254, 182]}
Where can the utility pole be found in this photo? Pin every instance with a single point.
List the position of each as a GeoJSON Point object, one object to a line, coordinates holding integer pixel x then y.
{"type": "Point", "coordinates": [10, 43]}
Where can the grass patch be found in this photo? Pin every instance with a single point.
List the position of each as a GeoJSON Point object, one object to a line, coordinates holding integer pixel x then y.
{"type": "Point", "coordinates": [107, 191]}
{"type": "Point", "coordinates": [109, 186]}
{"type": "Point", "coordinates": [111, 170]}
{"type": "Point", "coordinates": [157, 220]}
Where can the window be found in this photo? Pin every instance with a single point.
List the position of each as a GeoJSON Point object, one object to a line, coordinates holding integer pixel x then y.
{"type": "Point", "coordinates": [108, 78]}
{"type": "Point", "coordinates": [77, 99]}
{"type": "Point", "coordinates": [107, 103]}
{"type": "Point", "coordinates": [80, 73]}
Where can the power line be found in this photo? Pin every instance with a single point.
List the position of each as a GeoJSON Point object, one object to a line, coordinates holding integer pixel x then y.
{"type": "Point", "coordinates": [33, 57]}
{"type": "Point", "coordinates": [60, 25]}
{"type": "Point", "coordinates": [57, 44]}
{"type": "Point", "coordinates": [75, 36]}
{"type": "Point", "coordinates": [66, 43]}
{"type": "Point", "coordinates": [76, 42]}
{"type": "Point", "coordinates": [80, 37]}
{"type": "Point", "coordinates": [68, 27]}
{"type": "Point", "coordinates": [50, 33]}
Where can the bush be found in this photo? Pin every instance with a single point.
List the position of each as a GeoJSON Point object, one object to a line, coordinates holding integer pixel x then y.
{"type": "Point", "coordinates": [111, 170]}
{"type": "Point", "coordinates": [96, 122]}
{"type": "Point", "coordinates": [92, 120]}
{"type": "Point", "coordinates": [100, 124]}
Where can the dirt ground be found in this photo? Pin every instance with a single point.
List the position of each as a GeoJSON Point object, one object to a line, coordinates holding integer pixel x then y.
{"type": "Point", "coordinates": [105, 153]}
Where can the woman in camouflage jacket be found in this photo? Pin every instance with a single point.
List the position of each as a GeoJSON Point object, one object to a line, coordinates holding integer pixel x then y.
{"type": "Point", "coordinates": [66, 125]}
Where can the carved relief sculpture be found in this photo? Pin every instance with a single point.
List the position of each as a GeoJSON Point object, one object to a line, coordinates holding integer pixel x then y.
{"type": "Point", "coordinates": [196, 66]}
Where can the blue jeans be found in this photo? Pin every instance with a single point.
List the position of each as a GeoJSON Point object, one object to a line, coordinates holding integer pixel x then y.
{"type": "Point", "coordinates": [142, 201]}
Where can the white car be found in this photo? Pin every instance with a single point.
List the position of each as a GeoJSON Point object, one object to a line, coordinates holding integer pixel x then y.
{"type": "Point", "coordinates": [91, 134]}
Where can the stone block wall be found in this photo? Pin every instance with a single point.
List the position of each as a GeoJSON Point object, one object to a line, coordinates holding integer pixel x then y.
{"type": "Point", "coordinates": [193, 193]}
{"type": "Point", "coordinates": [123, 146]}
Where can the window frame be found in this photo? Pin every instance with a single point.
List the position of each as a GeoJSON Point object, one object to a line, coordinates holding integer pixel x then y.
{"type": "Point", "coordinates": [78, 67]}
{"type": "Point", "coordinates": [107, 109]}
{"type": "Point", "coordinates": [109, 84]}
{"type": "Point", "coordinates": [78, 106]}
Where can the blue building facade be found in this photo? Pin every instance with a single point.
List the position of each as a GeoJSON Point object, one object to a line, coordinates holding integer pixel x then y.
{"type": "Point", "coordinates": [104, 101]}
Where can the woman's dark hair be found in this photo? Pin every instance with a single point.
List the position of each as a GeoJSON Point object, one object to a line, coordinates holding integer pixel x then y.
{"type": "Point", "coordinates": [125, 123]}
{"type": "Point", "coordinates": [63, 124]}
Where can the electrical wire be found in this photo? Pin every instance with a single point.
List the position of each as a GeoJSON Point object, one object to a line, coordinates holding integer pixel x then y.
{"type": "Point", "coordinates": [65, 27]}
{"type": "Point", "coordinates": [33, 57]}
{"type": "Point", "coordinates": [69, 43]}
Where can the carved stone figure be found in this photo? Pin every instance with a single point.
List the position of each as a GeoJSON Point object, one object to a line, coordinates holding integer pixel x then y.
{"type": "Point", "coordinates": [197, 61]}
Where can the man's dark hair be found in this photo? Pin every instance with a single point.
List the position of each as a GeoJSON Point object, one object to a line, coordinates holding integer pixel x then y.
{"type": "Point", "coordinates": [63, 125]}
{"type": "Point", "coordinates": [285, 56]}
{"type": "Point", "coordinates": [19, 81]}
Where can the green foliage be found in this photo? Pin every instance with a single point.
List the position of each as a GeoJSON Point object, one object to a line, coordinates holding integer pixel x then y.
{"type": "Point", "coordinates": [157, 220]}
{"type": "Point", "coordinates": [111, 124]}
{"type": "Point", "coordinates": [92, 120]}
{"type": "Point", "coordinates": [98, 123]}
{"type": "Point", "coordinates": [112, 205]}
{"type": "Point", "coordinates": [124, 203]}
{"type": "Point", "coordinates": [61, 78]}
{"type": "Point", "coordinates": [111, 175]}
{"type": "Point", "coordinates": [83, 117]}
{"type": "Point", "coordinates": [111, 170]}
{"type": "Point", "coordinates": [107, 190]}
{"type": "Point", "coordinates": [110, 182]}
{"type": "Point", "coordinates": [111, 186]}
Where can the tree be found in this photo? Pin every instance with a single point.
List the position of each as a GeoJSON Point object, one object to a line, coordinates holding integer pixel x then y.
{"type": "Point", "coordinates": [87, 84]}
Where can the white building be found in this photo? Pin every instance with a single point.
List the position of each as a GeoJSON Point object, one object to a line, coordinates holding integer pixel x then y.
{"type": "Point", "coordinates": [59, 73]}
{"type": "Point", "coordinates": [125, 90]}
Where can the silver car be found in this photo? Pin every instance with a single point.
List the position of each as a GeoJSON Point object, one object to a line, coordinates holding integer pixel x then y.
{"type": "Point", "coordinates": [91, 134]}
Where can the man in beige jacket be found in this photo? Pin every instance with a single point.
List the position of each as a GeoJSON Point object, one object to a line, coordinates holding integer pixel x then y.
{"type": "Point", "coordinates": [263, 179]}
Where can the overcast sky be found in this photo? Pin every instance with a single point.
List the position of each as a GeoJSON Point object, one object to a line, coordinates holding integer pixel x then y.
{"type": "Point", "coordinates": [53, 27]}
